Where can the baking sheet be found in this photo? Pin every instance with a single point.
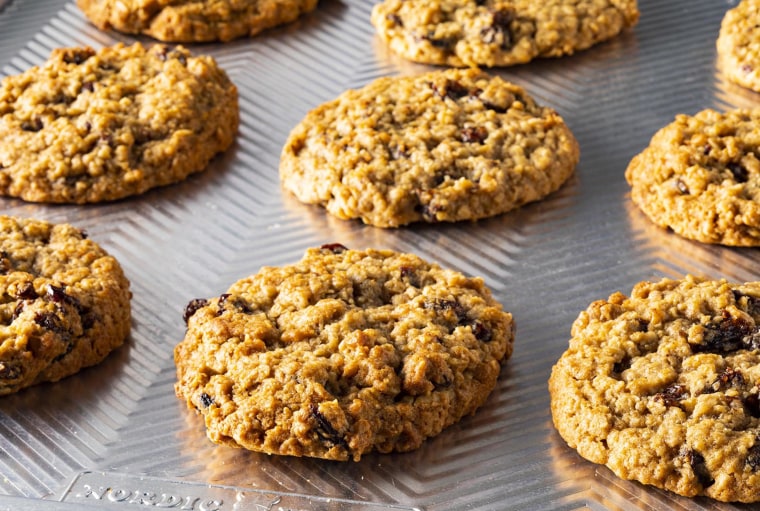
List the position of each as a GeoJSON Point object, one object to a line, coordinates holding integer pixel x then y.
{"type": "Point", "coordinates": [115, 437]}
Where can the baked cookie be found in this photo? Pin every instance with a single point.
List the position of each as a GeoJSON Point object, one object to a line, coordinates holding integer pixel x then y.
{"type": "Point", "coordinates": [193, 20]}
{"type": "Point", "coordinates": [700, 176]}
{"type": "Point", "coordinates": [497, 33]}
{"type": "Point", "coordinates": [663, 387]}
{"type": "Point", "coordinates": [739, 44]}
{"type": "Point", "coordinates": [343, 353]}
{"type": "Point", "coordinates": [64, 302]}
{"type": "Point", "coordinates": [91, 126]}
{"type": "Point", "coordinates": [439, 147]}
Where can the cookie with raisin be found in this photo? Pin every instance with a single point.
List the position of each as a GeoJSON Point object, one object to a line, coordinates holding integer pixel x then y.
{"type": "Point", "coordinates": [497, 33]}
{"type": "Point", "coordinates": [700, 177]}
{"type": "Point", "coordinates": [64, 302]}
{"type": "Point", "coordinates": [193, 20]}
{"type": "Point", "coordinates": [738, 45]}
{"type": "Point", "coordinates": [343, 353]}
{"type": "Point", "coordinates": [91, 126]}
{"type": "Point", "coordinates": [663, 387]}
{"type": "Point", "coordinates": [442, 146]}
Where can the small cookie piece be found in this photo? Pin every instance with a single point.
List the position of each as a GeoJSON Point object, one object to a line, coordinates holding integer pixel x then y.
{"type": "Point", "coordinates": [497, 33]}
{"type": "Point", "coordinates": [64, 302]}
{"type": "Point", "coordinates": [343, 353]}
{"type": "Point", "coordinates": [663, 387]}
{"type": "Point", "coordinates": [193, 20]}
{"type": "Point", "coordinates": [438, 147]}
{"type": "Point", "coordinates": [93, 126]}
{"type": "Point", "coordinates": [700, 176]}
{"type": "Point", "coordinates": [739, 44]}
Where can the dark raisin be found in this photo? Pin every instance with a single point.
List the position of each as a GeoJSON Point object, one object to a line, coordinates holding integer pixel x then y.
{"type": "Point", "coordinates": [77, 55]}
{"type": "Point", "coordinates": [481, 331]}
{"type": "Point", "coordinates": [325, 429]}
{"type": "Point", "coordinates": [395, 19]}
{"type": "Point", "coordinates": [452, 89]}
{"type": "Point", "coordinates": [408, 274]}
{"type": "Point", "coordinates": [49, 321]}
{"type": "Point", "coordinates": [235, 303]}
{"type": "Point", "coordinates": [503, 18]}
{"type": "Point", "coordinates": [161, 51]}
{"type": "Point", "coordinates": [33, 125]}
{"type": "Point", "coordinates": [477, 134]}
{"type": "Point", "coordinates": [5, 262]}
{"type": "Point", "coordinates": [26, 291]}
{"type": "Point", "coordinates": [681, 187]}
{"type": "Point", "coordinates": [499, 30]}
{"type": "Point", "coordinates": [724, 337]}
{"type": "Point", "coordinates": [88, 86]}
{"type": "Point", "coordinates": [17, 311]}
{"type": "Point", "coordinates": [429, 212]}
{"type": "Point", "coordinates": [105, 66]}
{"type": "Point", "coordinates": [622, 365]}
{"type": "Point", "coordinates": [192, 307]}
{"type": "Point", "coordinates": [753, 456]}
{"type": "Point", "coordinates": [726, 379]}
{"type": "Point", "coordinates": [448, 305]}
{"type": "Point", "coordinates": [672, 394]}
{"type": "Point", "coordinates": [444, 43]}
{"type": "Point", "coordinates": [741, 175]}
{"type": "Point", "coordinates": [9, 371]}
{"type": "Point", "coordinates": [697, 463]}
{"type": "Point", "coordinates": [752, 405]}
{"type": "Point", "coordinates": [335, 248]}
{"type": "Point", "coordinates": [496, 108]}
{"type": "Point", "coordinates": [206, 400]}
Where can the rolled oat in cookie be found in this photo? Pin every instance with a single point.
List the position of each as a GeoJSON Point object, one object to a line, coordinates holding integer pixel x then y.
{"type": "Point", "coordinates": [700, 176]}
{"type": "Point", "coordinates": [343, 353]}
{"type": "Point", "coordinates": [193, 20]}
{"type": "Point", "coordinates": [91, 126]}
{"type": "Point", "coordinates": [64, 302]}
{"type": "Point", "coordinates": [495, 32]}
{"type": "Point", "coordinates": [443, 146]}
{"type": "Point", "coordinates": [663, 387]}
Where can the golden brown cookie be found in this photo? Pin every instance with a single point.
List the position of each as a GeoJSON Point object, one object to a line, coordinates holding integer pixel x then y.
{"type": "Point", "coordinates": [700, 176]}
{"type": "Point", "coordinates": [739, 44]}
{"type": "Point", "coordinates": [663, 387]}
{"type": "Point", "coordinates": [497, 33]}
{"type": "Point", "coordinates": [343, 353]}
{"type": "Point", "coordinates": [438, 147]}
{"type": "Point", "coordinates": [193, 20]}
{"type": "Point", "coordinates": [65, 303]}
{"type": "Point", "coordinates": [92, 126]}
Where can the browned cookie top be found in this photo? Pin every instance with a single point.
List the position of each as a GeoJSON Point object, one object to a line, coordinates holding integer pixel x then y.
{"type": "Point", "coordinates": [343, 353]}
{"type": "Point", "coordinates": [91, 126]}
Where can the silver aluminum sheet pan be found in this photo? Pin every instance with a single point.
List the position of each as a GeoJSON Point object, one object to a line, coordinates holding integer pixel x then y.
{"type": "Point", "coordinates": [115, 437]}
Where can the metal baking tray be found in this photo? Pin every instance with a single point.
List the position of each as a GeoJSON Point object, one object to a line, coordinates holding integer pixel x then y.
{"type": "Point", "coordinates": [116, 437]}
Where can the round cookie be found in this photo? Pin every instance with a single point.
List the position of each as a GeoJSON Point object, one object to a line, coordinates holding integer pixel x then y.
{"type": "Point", "coordinates": [663, 387]}
{"type": "Point", "coordinates": [343, 353]}
{"type": "Point", "coordinates": [65, 303]}
{"type": "Point", "coordinates": [739, 44]}
{"type": "Point", "coordinates": [438, 147]}
{"type": "Point", "coordinates": [91, 126]}
{"type": "Point", "coordinates": [193, 20]}
{"type": "Point", "coordinates": [496, 33]}
{"type": "Point", "coordinates": [700, 176]}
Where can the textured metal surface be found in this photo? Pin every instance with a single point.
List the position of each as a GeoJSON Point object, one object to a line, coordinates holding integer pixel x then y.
{"type": "Point", "coordinates": [545, 263]}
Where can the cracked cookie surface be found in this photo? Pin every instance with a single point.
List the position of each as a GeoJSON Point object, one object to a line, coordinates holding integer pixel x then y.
{"type": "Point", "coordinates": [497, 33]}
{"type": "Point", "coordinates": [343, 353]}
{"type": "Point", "coordinates": [700, 176]}
{"type": "Point", "coordinates": [663, 387]}
{"type": "Point", "coordinates": [193, 20]}
{"type": "Point", "coordinates": [64, 302]}
{"type": "Point", "coordinates": [91, 126]}
{"type": "Point", "coordinates": [738, 44]}
{"type": "Point", "coordinates": [438, 147]}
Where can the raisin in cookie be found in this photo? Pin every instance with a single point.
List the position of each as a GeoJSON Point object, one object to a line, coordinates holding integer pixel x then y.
{"type": "Point", "coordinates": [739, 44]}
{"type": "Point", "coordinates": [193, 20]}
{"type": "Point", "coordinates": [497, 33]}
{"type": "Point", "coordinates": [439, 147]}
{"type": "Point", "coordinates": [343, 353]}
{"type": "Point", "coordinates": [700, 176]}
{"type": "Point", "coordinates": [91, 126]}
{"type": "Point", "coordinates": [663, 387]}
{"type": "Point", "coordinates": [64, 302]}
